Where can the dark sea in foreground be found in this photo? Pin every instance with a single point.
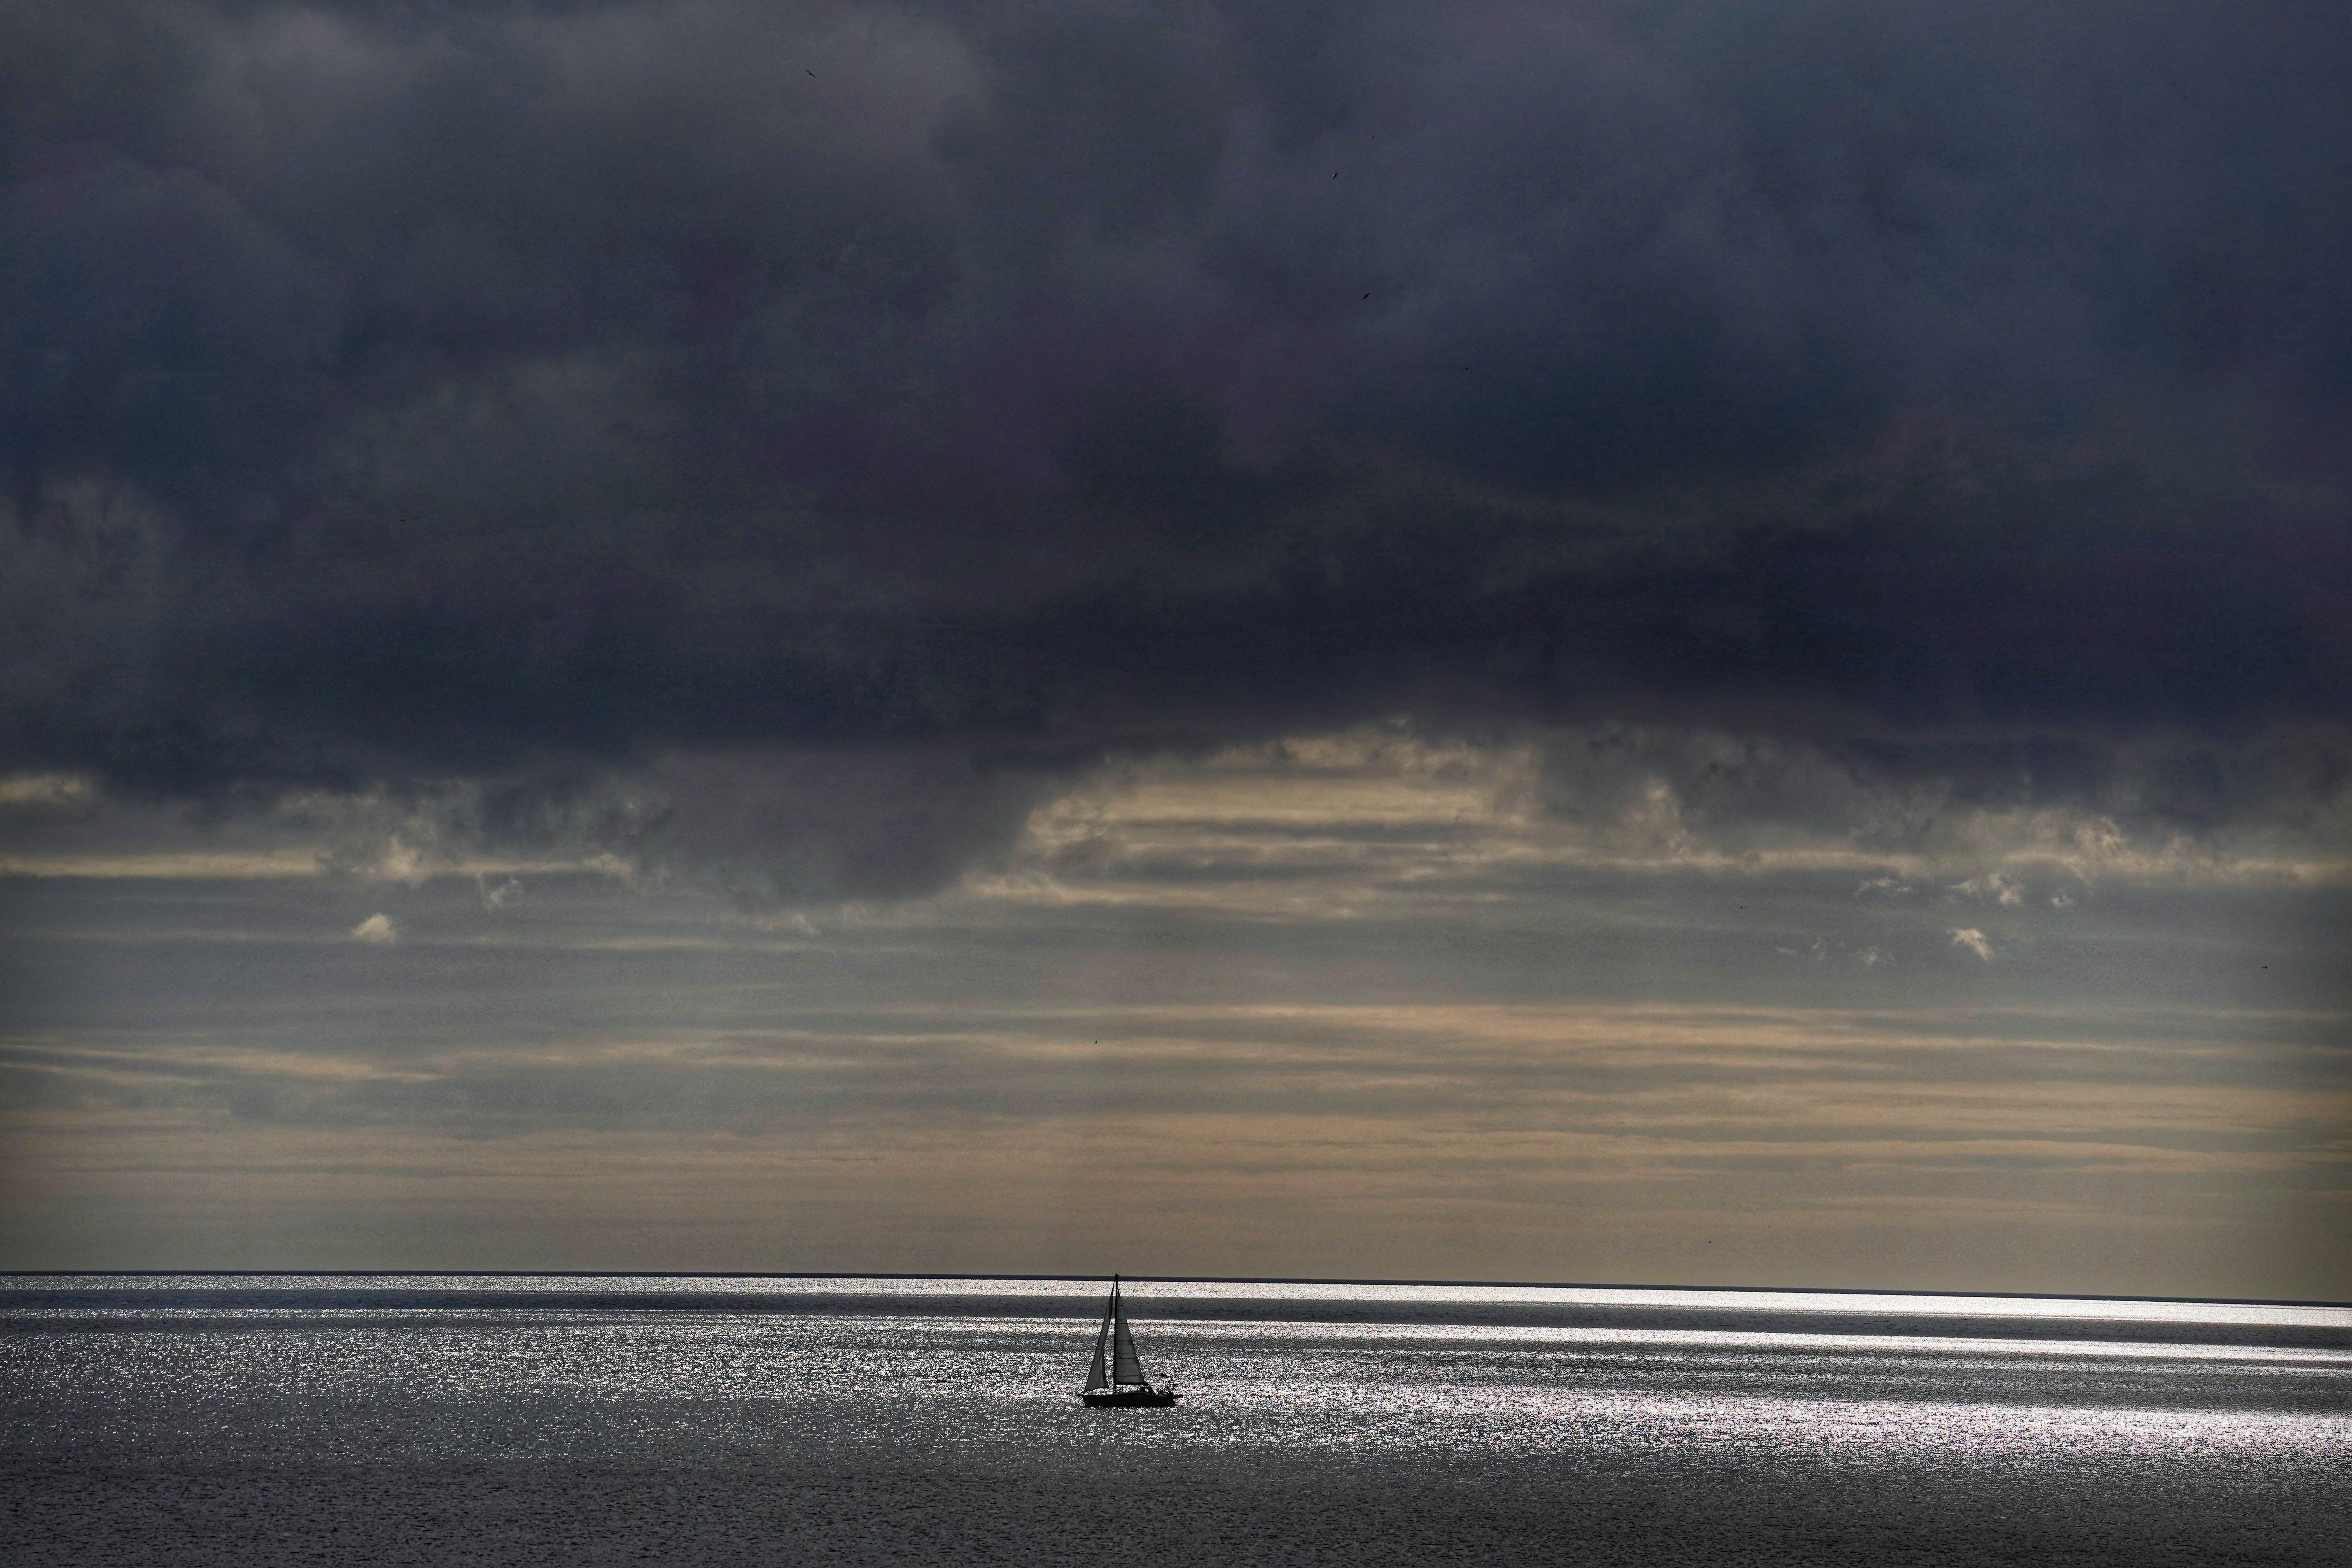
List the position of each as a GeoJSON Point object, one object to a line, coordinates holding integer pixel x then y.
{"type": "Point", "coordinates": [554, 1420]}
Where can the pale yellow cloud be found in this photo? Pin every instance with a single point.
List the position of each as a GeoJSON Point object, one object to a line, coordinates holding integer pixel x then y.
{"type": "Point", "coordinates": [1375, 821]}
{"type": "Point", "coordinates": [45, 789]}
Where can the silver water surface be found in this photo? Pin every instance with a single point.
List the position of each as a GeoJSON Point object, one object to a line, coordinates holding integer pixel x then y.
{"type": "Point", "coordinates": [443, 1435]}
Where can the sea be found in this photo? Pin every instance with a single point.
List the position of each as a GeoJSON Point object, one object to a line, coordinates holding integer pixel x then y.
{"type": "Point", "coordinates": [564, 1419]}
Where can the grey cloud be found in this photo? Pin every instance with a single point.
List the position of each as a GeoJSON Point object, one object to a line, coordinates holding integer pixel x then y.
{"type": "Point", "coordinates": [159, 326]}
{"type": "Point", "coordinates": [528, 403]}
{"type": "Point", "coordinates": [815, 826]}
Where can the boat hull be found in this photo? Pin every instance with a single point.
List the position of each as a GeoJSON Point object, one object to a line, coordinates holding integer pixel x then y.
{"type": "Point", "coordinates": [1124, 1398]}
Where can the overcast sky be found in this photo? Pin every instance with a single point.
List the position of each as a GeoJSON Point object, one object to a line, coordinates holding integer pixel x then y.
{"type": "Point", "coordinates": [1676, 643]}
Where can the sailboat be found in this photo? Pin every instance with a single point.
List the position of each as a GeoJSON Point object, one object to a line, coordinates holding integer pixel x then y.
{"type": "Point", "coordinates": [1120, 1380]}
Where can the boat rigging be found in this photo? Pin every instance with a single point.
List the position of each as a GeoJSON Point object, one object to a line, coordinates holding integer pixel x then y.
{"type": "Point", "coordinates": [1116, 1378]}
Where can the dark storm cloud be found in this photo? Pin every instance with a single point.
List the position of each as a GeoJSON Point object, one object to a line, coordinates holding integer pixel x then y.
{"type": "Point", "coordinates": [603, 407]}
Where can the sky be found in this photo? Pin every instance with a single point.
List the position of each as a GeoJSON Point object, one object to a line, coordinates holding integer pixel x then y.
{"type": "Point", "coordinates": [1697, 643]}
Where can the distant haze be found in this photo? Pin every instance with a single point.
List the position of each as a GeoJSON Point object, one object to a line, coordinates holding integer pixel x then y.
{"type": "Point", "coordinates": [1678, 643]}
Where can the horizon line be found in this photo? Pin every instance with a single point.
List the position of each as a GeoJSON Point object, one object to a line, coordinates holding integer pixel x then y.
{"type": "Point", "coordinates": [1171, 1279]}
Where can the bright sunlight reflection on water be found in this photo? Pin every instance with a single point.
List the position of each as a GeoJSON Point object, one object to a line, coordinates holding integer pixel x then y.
{"type": "Point", "coordinates": [418, 1431]}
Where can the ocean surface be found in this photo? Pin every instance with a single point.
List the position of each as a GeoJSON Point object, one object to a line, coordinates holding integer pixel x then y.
{"type": "Point", "coordinates": [267, 1419]}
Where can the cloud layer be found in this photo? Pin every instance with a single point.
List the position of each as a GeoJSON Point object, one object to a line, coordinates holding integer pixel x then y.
{"type": "Point", "coordinates": [1280, 1070]}
{"type": "Point", "coordinates": [801, 440]}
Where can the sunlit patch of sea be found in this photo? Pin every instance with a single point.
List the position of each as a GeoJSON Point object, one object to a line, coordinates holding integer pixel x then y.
{"type": "Point", "coordinates": [293, 1425]}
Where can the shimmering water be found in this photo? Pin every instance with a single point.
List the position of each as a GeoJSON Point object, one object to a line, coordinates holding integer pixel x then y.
{"type": "Point", "coordinates": [424, 1419]}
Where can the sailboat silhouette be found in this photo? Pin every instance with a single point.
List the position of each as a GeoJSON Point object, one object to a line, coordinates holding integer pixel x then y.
{"type": "Point", "coordinates": [1118, 1379]}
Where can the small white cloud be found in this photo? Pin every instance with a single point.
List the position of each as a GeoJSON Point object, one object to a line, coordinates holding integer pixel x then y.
{"type": "Point", "coordinates": [391, 858]}
{"type": "Point", "coordinates": [1995, 885]}
{"type": "Point", "coordinates": [2062, 899]}
{"type": "Point", "coordinates": [611, 865]}
{"type": "Point", "coordinates": [1893, 887]}
{"type": "Point", "coordinates": [376, 928]}
{"type": "Point", "coordinates": [1974, 940]}
{"type": "Point", "coordinates": [397, 861]}
{"type": "Point", "coordinates": [494, 895]}
{"type": "Point", "coordinates": [1870, 958]}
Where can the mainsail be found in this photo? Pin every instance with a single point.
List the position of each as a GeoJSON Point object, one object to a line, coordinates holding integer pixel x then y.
{"type": "Point", "coordinates": [1126, 1366]}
